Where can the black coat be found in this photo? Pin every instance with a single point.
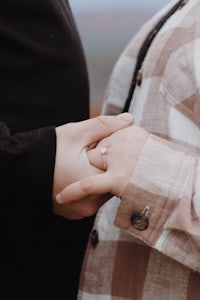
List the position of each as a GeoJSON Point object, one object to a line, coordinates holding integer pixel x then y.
{"type": "Point", "coordinates": [43, 84]}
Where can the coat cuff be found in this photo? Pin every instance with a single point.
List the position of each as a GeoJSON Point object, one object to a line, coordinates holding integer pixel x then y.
{"type": "Point", "coordinates": [29, 171]}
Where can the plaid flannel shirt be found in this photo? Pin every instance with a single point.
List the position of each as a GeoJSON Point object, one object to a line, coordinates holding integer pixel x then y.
{"type": "Point", "coordinates": [163, 261]}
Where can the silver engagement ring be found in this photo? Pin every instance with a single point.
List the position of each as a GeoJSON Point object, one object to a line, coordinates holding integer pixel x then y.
{"type": "Point", "coordinates": [104, 151]}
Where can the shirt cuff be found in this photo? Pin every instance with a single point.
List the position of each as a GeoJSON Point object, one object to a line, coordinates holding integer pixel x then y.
{"type": "Point", "coordinates": [155, 187]}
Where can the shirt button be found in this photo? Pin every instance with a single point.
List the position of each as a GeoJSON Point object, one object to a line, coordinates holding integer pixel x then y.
{"type": "Point", "coordinates": [183, 3]}
{"type": "Point", "coordinates": [94, 238]}
{"type": "Point", "coordinates": [139, 77]}
{"type": "Point", "coordinates": [139, 221]}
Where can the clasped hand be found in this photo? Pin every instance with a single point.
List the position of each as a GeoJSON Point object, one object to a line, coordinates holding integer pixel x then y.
{"type": "Point", "coordinates": [81, 183]}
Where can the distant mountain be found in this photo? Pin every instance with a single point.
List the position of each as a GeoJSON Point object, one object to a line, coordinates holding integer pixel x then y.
{"type": "Point", "coordinates": [104, 36]}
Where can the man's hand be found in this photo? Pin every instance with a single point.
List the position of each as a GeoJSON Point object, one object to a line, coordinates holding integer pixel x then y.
{"type": "Point", "coordinates": [71, 165]}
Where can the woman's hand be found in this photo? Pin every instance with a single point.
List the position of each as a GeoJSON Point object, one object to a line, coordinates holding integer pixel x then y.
{"type": "Point", "coordinates": [71, 164]}
{"type": "Point", "coordinates": [123, 151]}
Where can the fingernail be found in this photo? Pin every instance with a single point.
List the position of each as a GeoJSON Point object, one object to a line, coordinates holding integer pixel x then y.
{"type": "Point", "coordinates": [126, 117]}
{"type": "Point", "coordinates": [58, 198]}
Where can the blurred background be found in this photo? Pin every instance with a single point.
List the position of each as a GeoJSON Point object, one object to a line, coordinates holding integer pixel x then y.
{"type": "Point", "coordinates": [105, 27]}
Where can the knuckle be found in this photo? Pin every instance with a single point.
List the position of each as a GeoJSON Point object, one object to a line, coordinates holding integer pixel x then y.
{"type": "Point", "coordinates": [102, 121]}
{"type": "Point", "coordinates": [86, 185]}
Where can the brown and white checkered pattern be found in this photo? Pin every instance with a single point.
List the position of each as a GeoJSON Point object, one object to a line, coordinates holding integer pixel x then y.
{"type": "Point", "coordinates": [163, 261]}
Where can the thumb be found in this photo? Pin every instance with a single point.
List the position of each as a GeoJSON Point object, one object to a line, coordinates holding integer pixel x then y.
{"type": "Point", "coordinates": [102, 126]}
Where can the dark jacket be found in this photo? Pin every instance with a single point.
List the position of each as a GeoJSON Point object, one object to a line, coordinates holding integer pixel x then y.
{"type": "Point", "coordinates": [43, 84]}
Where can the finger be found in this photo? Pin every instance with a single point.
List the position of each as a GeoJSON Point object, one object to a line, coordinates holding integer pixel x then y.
{"type": "Point", "coordinates": [96, 159]}
{"type": "Point", "coordinates": [100, 127]}
{"type": "Point", "coordinates": [93, 185]}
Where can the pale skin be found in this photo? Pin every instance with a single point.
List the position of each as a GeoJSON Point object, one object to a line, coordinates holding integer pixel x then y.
{"type": "Point", "coordinates": [124, 149]}
{"type": "Point", "coordinates": [74, 140]}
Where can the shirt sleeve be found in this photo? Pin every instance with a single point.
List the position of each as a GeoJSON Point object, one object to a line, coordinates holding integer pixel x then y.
{"type": "Point", "coordinates": [165, 191]}
{"type": "Point", "coordinates": [27, 168]}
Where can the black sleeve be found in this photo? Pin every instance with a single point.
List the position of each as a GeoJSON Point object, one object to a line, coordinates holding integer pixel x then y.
{"type": "Point", "coordinates": [27, 168]}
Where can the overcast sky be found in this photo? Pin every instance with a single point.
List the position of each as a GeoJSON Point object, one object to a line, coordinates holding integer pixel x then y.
{"type": "Point", "coordinates": [91, 5]}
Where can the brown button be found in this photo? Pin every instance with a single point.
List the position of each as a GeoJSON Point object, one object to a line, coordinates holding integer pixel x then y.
{"type": "Point", "coordinates": [183, 3]}
{"type": "Point", "coordinates": [139, 77]}
{"type": "Point", "coordinates": [94, 238]}
{"type": "Point", "coordinates": [139, 221]}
